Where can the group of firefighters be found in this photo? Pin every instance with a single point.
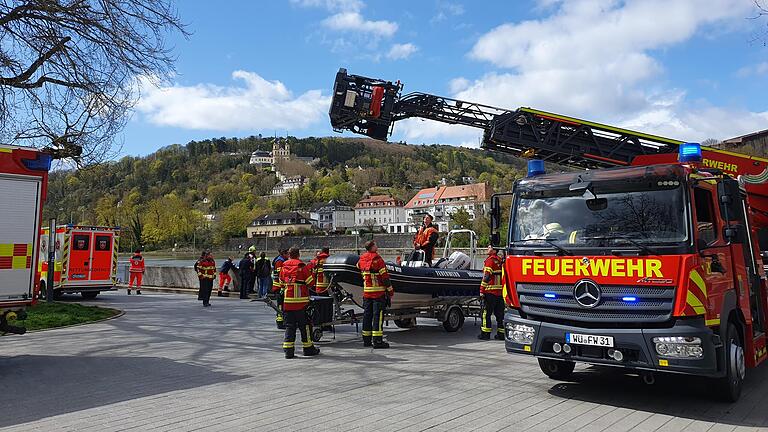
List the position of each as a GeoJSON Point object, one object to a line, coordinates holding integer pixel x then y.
{"type": "Point", "coordinates": [293, 281]}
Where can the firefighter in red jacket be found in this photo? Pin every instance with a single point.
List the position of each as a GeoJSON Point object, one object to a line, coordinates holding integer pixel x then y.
{"type": "Point", "coordinates": [206, 273]}
{"type": "Point", "coordinates": [491, 297]}
{"type": "Point", "coordinates": [377, 292]}
{"type": "Point", "coordinates": [136, 271]}
{"type": "Point", "coordinates": [296, 278]}
{"type": "Point", "coordinates": [426, 239]}
{"type": "Point", "coordinates": [277, 287]}
{"type": "Point", "coordinates": [317, 263]}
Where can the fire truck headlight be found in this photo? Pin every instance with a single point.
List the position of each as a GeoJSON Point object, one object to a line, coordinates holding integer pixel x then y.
{"type": "Point", "coordinates": [679, 347]}
{"type": "Point", "coordinates": [520, 333]}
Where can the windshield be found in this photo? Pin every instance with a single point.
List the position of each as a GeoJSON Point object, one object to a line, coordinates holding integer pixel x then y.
{"type": "Point", "coordinates": [580, 219]}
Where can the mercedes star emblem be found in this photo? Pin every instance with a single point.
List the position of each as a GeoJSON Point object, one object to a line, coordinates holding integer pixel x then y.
{"type": "Point", "coordinates": [587, 293]}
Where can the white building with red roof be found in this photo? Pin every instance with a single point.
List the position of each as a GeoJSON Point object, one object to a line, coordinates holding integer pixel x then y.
{"type": "Point", "coordinates": [442, 201]}
{"type": "Point", "coordinates": [379, 211]}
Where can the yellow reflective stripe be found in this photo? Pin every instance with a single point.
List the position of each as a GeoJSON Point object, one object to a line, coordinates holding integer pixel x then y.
{"type": "Point", "coordinates": [377, 333]}
{"type": "Point", "coordinates": [288, 344]}
{"type": "Point", "coordinates": [296, 299]}
{"type": "Point", "coordinates": [367, 333]}
{"type": "Point", "coordinates": [696, 278]}
{"type": "Point", "coordinates": [572, 238]}
{"type": "Point", "coordinates": [713, 322]}
{"type": "Point", "coordinates": [695, 303]}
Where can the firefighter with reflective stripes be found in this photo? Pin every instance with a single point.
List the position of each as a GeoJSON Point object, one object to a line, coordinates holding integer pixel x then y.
{"type": "Point", "coordinates": [377, 292]}
{"type": "Point", "coordinates": [295, 279]}
{"type": "Point", "coordinates": [206, 273]}
{"type": "Point", "coordinates": [321, 283]}
{"type": "Point", "coordinates": [491, 297]}
{"type": "Point", "coordinates": [277, 287]}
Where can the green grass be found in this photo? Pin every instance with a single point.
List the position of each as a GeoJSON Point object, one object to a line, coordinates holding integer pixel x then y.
{"type": "Point", "coordinates": [51, 315]}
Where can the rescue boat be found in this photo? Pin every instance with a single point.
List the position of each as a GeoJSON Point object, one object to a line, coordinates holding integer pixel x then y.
{"type": "Point", "coordinates": [449, 280]}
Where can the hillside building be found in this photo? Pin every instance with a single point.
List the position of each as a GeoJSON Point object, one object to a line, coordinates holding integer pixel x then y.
{"type": "Point", "coordinates": [278, 224]}
{"type": "Point", "coordinates": [333, 216]}
{"type": "Point", "coordinates": [379, 211]}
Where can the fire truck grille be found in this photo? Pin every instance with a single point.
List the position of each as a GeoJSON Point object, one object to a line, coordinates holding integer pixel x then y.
{"type": "Point", "coordinates": [618, 304]}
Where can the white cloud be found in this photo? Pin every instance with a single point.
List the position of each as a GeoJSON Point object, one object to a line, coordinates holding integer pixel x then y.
{"type": "Point", "coordinates": [354, 21]}
{"type": "Point", "coordinates": [401, 51]}
{"type": "Point", "coordinates": [251, 104]}
{"type": "Point", "coordinates": [759, 69]}
{"type": "Point", "coordinates": [446, 9]}
{"type": "Point", "coordinates": [594, 59]}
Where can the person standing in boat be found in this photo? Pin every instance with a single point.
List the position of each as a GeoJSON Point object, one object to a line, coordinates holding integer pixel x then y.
{"type": "Point", "coordinates": [426, 239]}
{"type": "Point", "coordinates": [491, 297]}
{"type": "Point", "coordinates": [377, 292]}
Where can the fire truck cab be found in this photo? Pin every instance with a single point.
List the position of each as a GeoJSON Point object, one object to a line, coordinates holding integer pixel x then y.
{"type": "Point", "coordinates": [23, 180]}
{"type": "Point", "coordinates": [654, 268]}
{"type": "Point", "coordinates": [86, 260]}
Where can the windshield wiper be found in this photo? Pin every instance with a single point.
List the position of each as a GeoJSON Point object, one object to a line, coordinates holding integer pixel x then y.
{"type": "Point", "coordinates": [548, 241]}
{"type": "Point", "coordinates": [642, 247]}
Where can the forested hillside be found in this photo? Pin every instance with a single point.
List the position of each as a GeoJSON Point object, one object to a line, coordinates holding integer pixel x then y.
{"type": "Point", "coordinates": [161, 200]}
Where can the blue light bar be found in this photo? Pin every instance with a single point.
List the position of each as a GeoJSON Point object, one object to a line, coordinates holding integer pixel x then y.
{"type": "Point", "coordinates": [630, 299]}
{"type": "Point", "coordinates": [550, 295]}
{"type": "Point", "coordinates": [535, 167]}
{"type": "Point", "coordinates": [41, 163]}
{"type": "Point", "coordinates": [689, 152]}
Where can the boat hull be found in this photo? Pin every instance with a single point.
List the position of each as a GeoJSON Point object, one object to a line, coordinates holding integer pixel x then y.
{"type": "Point", "coordinates": [414, 286]}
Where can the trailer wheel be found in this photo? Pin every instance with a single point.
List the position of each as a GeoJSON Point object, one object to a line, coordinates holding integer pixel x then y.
{"type": "Point", "coordinates": [556, 369]}
{"type": "Point", "coordinates": [317, 334]}
{"type": "Point", "coordinates": [406, 323]}
{"type": "Point", "coordinates": [90, 295]}
{"type": "Point", "coordinates": [454, 320]}
{"type": "Point", "coordinates": [735, 367]}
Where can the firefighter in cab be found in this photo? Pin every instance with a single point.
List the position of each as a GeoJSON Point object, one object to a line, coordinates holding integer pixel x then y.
{"type": "Point", "coordinates": [377, 292]}
{"type": "Point", "coordinates": [295, 279]}
{"type": "Point", "coordinates": [426, 239]}
{"type": "Point", "coordinates": [491, 297]}
{"type": "Point", "coordinates": [277, 287]}
{"type": "Point", "coordinates": [317, 263]}
{"type": "Point", "coordinates": [136, 271]}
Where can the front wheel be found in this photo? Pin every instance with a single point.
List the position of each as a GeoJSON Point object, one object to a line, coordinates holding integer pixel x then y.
{"type": "Point", "coordinates": [454, 320]}
{"type": "Point", "coordinates": [735, 366]}
{"type": "Point", "coordinates": [406, 323]}
{"type": "Point", "coordinates": [556, 369]}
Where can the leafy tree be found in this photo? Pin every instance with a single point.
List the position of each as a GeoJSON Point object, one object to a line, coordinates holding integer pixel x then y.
{"type": "Point", "coordinates": [461, 218]}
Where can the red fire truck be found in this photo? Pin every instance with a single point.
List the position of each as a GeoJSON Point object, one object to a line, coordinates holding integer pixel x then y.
{"type": "Point", "coordinates": [86, 260]}
{"type": "Point", "coordinates": [23, 181]}
{"type": "Point", "coordinates": [648, 260]}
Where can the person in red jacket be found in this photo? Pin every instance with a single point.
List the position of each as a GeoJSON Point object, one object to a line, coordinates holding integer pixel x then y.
{"type": "Point", "coordinates": [426, 239]}
{"type": "Point", "coordinates": [320, 281]}
{"type": "Point", "coordinates": [491, 297]}
{"type": "Point", "coordinates": [206, 273]}
{"type": "Point", "coordinates": [377, 291]}
{"type": "Point", "coordinates": [136, 271]}
{"type": "Point", "coordinates": [295, 278]}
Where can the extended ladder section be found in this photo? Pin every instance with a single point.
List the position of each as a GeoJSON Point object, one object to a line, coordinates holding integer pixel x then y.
{"type": "Point", "coordinates": [370, 107]}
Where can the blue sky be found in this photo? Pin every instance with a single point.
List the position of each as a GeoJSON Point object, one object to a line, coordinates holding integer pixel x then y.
{"type": "Point", "coordinates": [676, 68]}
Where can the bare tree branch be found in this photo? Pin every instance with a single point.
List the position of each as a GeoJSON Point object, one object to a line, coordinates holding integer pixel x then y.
{"type": "Point", "coordinates": [69, 68]}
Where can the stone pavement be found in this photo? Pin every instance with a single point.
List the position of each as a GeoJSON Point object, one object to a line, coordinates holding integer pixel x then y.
{"type": "Point", "coordinates": [170, 365]}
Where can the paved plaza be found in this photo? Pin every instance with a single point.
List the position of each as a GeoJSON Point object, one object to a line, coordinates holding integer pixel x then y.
{"type": "Point", "coordinates": [170, 365]}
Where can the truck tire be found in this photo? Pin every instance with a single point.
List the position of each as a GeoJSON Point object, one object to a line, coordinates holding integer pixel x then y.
{"type": "Point", "coordinates": [406, 323]}
{"type": "Point", "coordinates": [556, 369]}
{"type": "Point", "coordinates": [454, 320]}
{"type": "Point", "coordinates": [90, 295]}
{"type": "Point", "coordinates": [735, 368]}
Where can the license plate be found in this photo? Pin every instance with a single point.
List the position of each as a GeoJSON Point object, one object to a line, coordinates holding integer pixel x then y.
{"type": "Point", "coordinates": [582, 339]}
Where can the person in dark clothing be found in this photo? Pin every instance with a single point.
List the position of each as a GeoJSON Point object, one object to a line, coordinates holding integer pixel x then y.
{"type": "Point", "coordinates": [252, 279]}
{"type": "Point", "coordinates": [426, 239]}
{"type": "Point", "coordinates": [206, 273]}
{"type": "Point", "coordinates": [224, 277]}
{"type": "Point", "coordinates": [245, 268]}
{"type": "Point", "coordinates": [263, 274]}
